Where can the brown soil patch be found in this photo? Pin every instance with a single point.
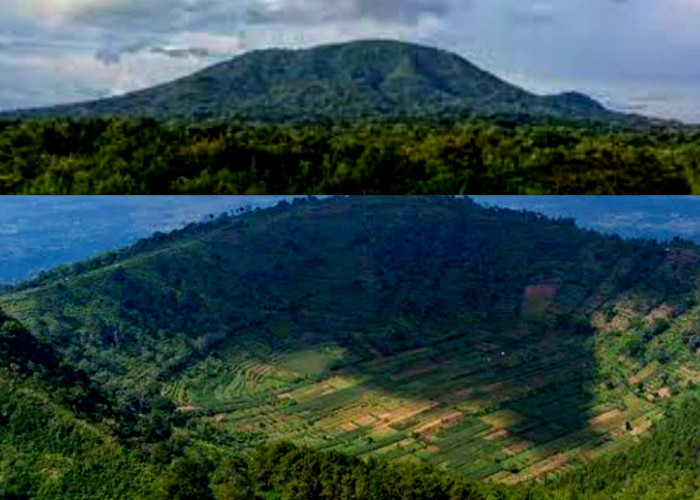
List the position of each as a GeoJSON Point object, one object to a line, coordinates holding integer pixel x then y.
{"type": "Point", "coordinates": [349, 427]}
{"type": "Point", "coordinates": [619, 323]}
{"type": "Point", "coordinates": [546, 466]}
{"type": "Point", "coordinates": [599, 322]}
{"type": "Point", "coordinates": [503, 477]}
{"type": "Point", "coordinates": [642, 374]}
{"type": "Point", "coordinates": [412, 373]}
{"type": "Point", "coordinates": [411, 410]}
{"type": "Point", "coordinates": [441, 423]}
{"type": "Point", "coordinates": [403, 413]}
{"type": "Point", "coordinates": [499, 434]}
{"type": "Point", "coordinates": [459, 395]}
{"type": "Point", "coordinates": [516, 448]}
{"type": "Point", "coordinates": [539, 296]}
{"type": "Point", "coordinates": [642, 428]}
{"type": "Point", "coordinates": [501, 419]}
{"type": "Point", "coordinates": [664, 392]}
{"type": "Point", "coordinates": [604, 417]}
{"type": "Point", "coordinates": [693, 375]}
{"type": "Point", "coordinates": [662, 312]}
{"type": "Point", "coordinates": [365, 420]}
{"type": "Point", "coordinates": [187, 408]}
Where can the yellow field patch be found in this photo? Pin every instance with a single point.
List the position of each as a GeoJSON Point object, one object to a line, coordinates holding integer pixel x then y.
{"type": "Point", "coordinates": [643, 374]}
{"type": "Point", "coordinates": [349, 427]}
{"type": "Point", "coordinates": [604, 418]}
{"type": "Point", "coordinates": [365, 420]}
{"type": "Point", "coordinates": [664, 392]}
{"type": "Point", "coordinates": [499, 434]}
{"type": "Point", "coordinates": [544, 467]}
{"type": "Point", "coordinates": [452, 418]}
{"type": "Point", "coordinates": [641, 428]}
{"type": "Point", "coordinates": [413, 373]}
{"type": "Point", "coordinates": [502, 419]}
{"type": "Point", "coordinates": [517, 447]}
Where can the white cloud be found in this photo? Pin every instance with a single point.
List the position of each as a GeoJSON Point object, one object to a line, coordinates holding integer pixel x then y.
{"type": "Point", "coordinates": [56, 11]}
{"type": "Point", "coordinates": [622, 49]}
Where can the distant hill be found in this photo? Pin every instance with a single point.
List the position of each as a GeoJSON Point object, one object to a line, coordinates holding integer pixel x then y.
{"type": "Point", "coordinates": [348, 81]}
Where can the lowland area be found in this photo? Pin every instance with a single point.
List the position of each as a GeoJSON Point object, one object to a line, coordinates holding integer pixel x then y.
{"type": "Point", "coordinates": [363, 117]}
{"type": "Point", "coordinates": [372, 347]}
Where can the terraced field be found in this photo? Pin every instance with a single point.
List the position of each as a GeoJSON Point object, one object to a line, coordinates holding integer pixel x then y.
{"type": "Point", "coordinates": [505, 414]}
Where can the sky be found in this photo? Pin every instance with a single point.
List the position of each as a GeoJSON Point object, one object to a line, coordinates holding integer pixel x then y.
{"type": "Point", "coordinates": [40, 232]}
{"type": "Point", "coordinates": [632, 55]}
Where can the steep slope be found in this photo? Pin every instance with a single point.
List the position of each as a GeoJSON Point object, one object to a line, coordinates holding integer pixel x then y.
{"type": "Point", "coordinates": [373, 78]}
{"type": "Point", "coordinates": [55, 439]}
{"type": "Point", "coordinates": [499, 344]}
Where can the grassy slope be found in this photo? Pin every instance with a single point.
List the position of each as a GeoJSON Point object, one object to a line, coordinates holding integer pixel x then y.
{"type": "Point", "coordinates": [410, 329]}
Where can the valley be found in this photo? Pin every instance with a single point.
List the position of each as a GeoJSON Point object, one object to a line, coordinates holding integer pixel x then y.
{"type": "Point", "coordinates": [496, 345]}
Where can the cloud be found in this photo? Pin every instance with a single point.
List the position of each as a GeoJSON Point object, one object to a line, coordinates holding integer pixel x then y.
{"type": "Point", "coordinates": [407, 12]}
{"type": "Point", "coordinates": [182, 52]}
{"type": "Point", "coordinates": [619, 49]}
{"type": "Point", "coordinates": [114, 55]}
{"type": "Point", "coordinates": [156, 24]}
{"type": "Point", "coordinates": [534, 13]}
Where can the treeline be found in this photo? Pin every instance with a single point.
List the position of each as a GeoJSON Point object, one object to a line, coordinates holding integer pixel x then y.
{"type": "Point", "coordinates": [120, 156]}
{"type": "Point", "coordinates": [285, 471]}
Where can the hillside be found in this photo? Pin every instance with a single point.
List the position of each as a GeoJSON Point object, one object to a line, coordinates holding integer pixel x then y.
{"type": "Point", "coordinates": [348, 81]}
{"type": "Point", "coordinates": [496, 344]}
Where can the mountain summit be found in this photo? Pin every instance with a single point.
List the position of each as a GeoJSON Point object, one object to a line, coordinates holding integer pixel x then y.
{"type": "Point", "coordinates": [361, 79]}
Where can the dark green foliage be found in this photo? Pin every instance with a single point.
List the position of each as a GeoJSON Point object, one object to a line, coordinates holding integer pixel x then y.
{"type": "Point", "coordinates": [187, 478]}
{"type": "Point", "coordinates": [147, 157]}
{"type": "Point", "coordinates": [350, 81]}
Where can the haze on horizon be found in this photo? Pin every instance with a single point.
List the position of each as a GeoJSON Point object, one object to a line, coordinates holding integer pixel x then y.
{"type": "Point", "coordinates": [40, 232]}
{"type": "Point", "coordinates": [632, 55]}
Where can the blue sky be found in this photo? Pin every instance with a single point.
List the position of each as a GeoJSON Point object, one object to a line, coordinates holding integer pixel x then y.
{"type": "Point", "coordinates": [637, 55]}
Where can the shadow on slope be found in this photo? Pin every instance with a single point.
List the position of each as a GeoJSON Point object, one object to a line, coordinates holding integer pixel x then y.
{"type": "Point", "coordinates": [483, 314]}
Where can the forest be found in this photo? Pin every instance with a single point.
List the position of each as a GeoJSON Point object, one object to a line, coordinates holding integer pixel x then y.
{"type": "Point", "coordinates": [497, 156]}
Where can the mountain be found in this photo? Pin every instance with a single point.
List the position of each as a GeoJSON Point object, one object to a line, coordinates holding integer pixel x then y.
{"type": "Point", "coordinates": [495, 344]}
{"type": "Point", "coordinates": [348, 81]}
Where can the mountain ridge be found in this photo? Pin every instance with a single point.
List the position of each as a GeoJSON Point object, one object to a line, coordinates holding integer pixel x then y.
{"type": "Point", "coordinates": [353, 80]}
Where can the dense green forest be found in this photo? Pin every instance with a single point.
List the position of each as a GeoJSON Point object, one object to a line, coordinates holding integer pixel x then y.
{"type": "Point", "coordinates": [353, 81]}
{"type": "Point", "coordinates": [120, 156]}
{"type": "Point", "coordinates": [370, 347]}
